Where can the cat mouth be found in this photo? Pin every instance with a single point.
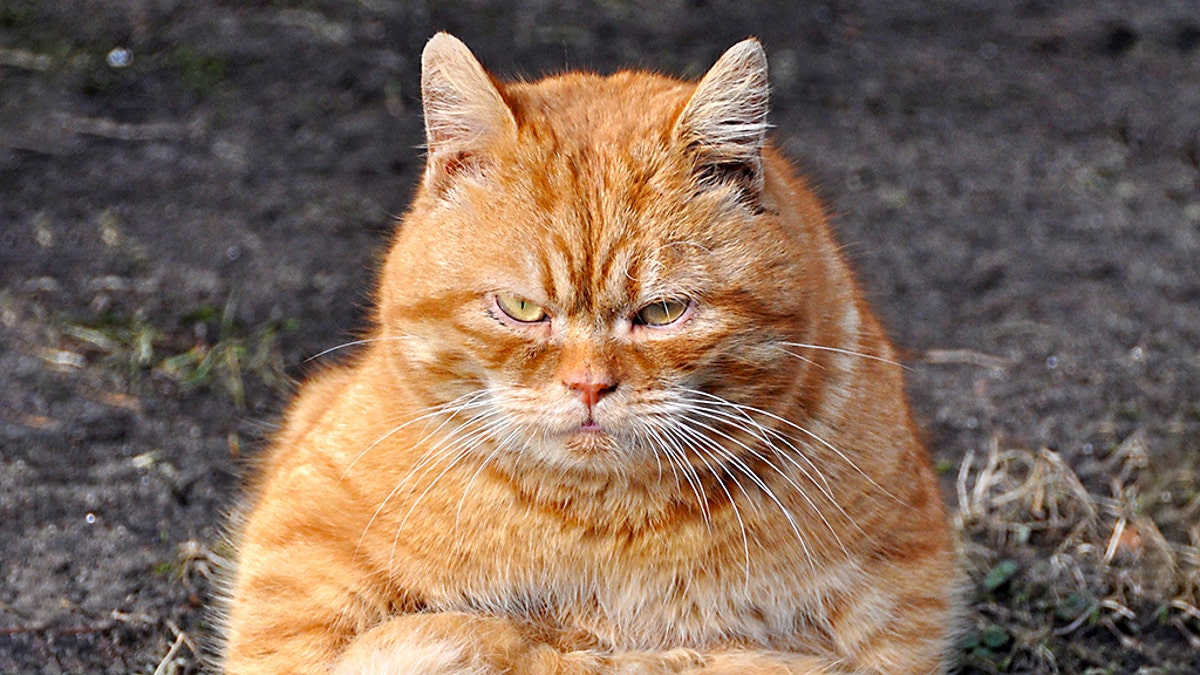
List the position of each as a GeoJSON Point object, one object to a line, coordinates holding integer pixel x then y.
{"type": "Point", "coordinates": [589, 438]}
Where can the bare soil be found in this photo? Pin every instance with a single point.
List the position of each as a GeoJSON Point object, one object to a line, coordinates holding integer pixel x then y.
{"type": "Point", "coordinates": [194, 197]}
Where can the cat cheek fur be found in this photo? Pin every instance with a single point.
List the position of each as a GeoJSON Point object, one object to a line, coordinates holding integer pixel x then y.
{"type": "Point", "coordinates": [758, 502]}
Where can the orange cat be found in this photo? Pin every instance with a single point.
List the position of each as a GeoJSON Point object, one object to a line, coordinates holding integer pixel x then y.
{"type": "Point", "coordinates": [623, 410]}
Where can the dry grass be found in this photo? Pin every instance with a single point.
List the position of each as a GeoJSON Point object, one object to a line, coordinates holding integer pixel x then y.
{"type": "Point", "coordinates": [1052, 558]}
{"type": "Point", "coordinates": [209, 349]}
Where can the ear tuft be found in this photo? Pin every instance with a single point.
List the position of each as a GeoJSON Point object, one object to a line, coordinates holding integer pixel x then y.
{"type": "Point", "coordinates": [464, 111]}
{"type": "Point", "coordinates": [725, 121]}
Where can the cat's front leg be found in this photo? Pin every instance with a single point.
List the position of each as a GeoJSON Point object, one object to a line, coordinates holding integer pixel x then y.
{"type": "Point", "coordinates": [457, 643]}
{"type": "Point", "coordinates": [769, 663]}
{"type": "Point", "coordinates": [751, 662]}
{"type": "Point", "coordinates": [445, 643]}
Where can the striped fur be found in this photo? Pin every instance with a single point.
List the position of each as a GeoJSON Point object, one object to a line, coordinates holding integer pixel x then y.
{"type": "Point", "coordinates": [737, 490]}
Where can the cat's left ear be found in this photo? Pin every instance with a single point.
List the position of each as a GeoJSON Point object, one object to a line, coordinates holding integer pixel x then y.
{"type": "Point", "coordinates": [464, 112]}
{"type": "Point", "coordinates": [725, 122]}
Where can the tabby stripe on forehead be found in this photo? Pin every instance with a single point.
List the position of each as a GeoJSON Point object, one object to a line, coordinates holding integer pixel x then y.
{"type": "Point", "coordinates": [632, 276]}
{"type": "Point", "coordinates": [619, 271]}
{"type": "Point", "coordinates": [581, 272]}
{"type": "Point", "coordinates": [556, 270]}
{"type": "Point", "coordinates": [548, 266]}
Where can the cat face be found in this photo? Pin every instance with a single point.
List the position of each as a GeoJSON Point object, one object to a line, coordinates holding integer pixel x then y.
{"type": "Point", "coordinates": [585, 287]}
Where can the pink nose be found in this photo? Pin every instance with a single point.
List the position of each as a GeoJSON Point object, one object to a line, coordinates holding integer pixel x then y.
{"type": "Point", "coordinates": [591, 392]}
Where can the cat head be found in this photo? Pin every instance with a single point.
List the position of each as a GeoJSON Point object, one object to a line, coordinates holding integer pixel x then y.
{"type": "Point", "coordinates": [596, 271]}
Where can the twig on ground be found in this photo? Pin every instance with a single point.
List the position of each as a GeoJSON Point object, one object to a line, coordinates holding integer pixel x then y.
{"type": "Point", "coordinates": [126, 131]}
{"type": "Point", "coordinates": [168, 663]}
{"type": "Point", "coordinates": [967, 357]}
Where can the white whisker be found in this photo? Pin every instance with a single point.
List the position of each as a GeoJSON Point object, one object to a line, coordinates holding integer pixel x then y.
{"type": "Point", "coordinates": [721, 415]}
{"type": "Point", "coordinates": [461, 452]}
{"type": "Point", "coordinates": [676, 455]}
{"type": "Point", "coordinates": [836, 350]}
{"type": "Point", "coordinates": [737, 513]}
{"type": "Point", "coordinates": [450, 409]}
{"type": "Point", "coordinates": [841, 455]}
{"type": "Point", "coordinates": [492, 431]}
{"type": "Point", "coordinates": [738, 463]}
{"type": "Point", "coordinates": [802, 358]}
{"type": "Point", "coordinates": [433, 455]}
{"type": "Point", "coordinates": [355, 343]}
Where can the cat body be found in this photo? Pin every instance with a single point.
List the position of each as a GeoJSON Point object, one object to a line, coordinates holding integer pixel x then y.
{"type": "Point", "coordinates": [623, 409]}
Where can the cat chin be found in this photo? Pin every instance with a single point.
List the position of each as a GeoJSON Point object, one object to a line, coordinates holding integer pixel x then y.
{"type": "Point", "coordinates": [590, 441]}
{"type": "Point", "coordinates": [593, 451]}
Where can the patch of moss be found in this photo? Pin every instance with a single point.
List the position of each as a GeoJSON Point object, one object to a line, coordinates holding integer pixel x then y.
{"type": "Point", "coordinates": [200, 72]}
{"type": "Point", "coordinates": [165, 569]}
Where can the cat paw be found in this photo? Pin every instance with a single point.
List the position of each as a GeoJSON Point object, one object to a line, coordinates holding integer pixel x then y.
{"type": "Point", "coordinates": [655, 663]}
{"type": "Point", "coordinates": [767, 663]}
{"type": "Point", "coordinates": [433, 658]}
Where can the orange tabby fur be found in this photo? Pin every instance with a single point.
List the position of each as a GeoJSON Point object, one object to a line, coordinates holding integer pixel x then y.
{"type": "Point", "coordinates": [737, 490]}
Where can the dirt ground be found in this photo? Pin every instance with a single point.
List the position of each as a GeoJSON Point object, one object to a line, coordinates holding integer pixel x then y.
{"type": "Point", "coordinates": [194, 196]}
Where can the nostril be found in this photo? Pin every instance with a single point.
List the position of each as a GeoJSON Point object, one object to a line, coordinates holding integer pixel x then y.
{"type": "Point", "coordinates": [591, 392]}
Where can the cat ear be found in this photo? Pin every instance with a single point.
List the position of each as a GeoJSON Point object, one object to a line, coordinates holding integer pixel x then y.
{"type": "Point", "coordinates": [464, 111]}
{"type": "Point", "coordinates": [725, 122]}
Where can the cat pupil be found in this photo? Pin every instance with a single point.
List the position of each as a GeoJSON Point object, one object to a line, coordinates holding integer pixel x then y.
{"type": "Point", "coordinates": [520, 310]}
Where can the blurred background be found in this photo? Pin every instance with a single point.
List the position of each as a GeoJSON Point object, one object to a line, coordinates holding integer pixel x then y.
{"type": "Point", "coordinates": [194, 197]}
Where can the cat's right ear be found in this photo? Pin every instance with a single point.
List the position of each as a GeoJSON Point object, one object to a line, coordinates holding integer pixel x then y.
{"type": "Point", "coordinates": [724, 124]}
{"type": "Point", "coordinates": [464, 111]}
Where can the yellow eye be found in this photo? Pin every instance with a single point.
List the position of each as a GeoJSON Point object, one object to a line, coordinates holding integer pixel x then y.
{"type": "Point", "coordinates": [661, 312]}
{"type": "Point", "coordinates": [520, 310]}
